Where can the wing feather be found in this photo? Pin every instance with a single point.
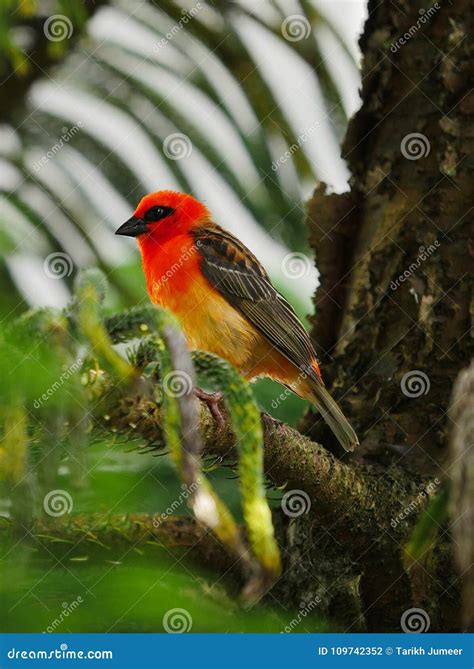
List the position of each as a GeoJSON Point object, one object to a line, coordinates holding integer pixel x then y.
{"type": "Point", "coordinates": [236, 273]}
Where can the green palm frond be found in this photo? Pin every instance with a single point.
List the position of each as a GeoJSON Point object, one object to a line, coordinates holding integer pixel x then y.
{"type": "Point", "coordinates": [259, 105]}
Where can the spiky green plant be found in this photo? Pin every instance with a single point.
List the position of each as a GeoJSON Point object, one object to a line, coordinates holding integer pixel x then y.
{"type": "Point", "coordinates": [164, 349]}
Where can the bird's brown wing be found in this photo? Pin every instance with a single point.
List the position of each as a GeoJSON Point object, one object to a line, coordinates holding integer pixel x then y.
{"type": "Point", "coordinates": [235, 272]}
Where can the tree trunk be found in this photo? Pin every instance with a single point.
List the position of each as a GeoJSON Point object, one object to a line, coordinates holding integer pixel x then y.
{"type": "Point", "coordinates": [394, 309]}
{"type": "Point", "coordinates": [395, 253]}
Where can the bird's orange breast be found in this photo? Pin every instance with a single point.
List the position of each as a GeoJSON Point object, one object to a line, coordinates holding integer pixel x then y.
{"type": "Point", "coordinates": [175, 281]}
{"type": "Point", "coordinates": [169, 265]}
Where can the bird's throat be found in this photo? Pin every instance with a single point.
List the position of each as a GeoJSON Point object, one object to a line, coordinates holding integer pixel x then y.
{"type": "Point", "coordinates": [170, 267]}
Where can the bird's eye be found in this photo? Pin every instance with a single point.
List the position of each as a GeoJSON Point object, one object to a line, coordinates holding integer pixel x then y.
{"type": "Point", "coordinates": [157, 213]}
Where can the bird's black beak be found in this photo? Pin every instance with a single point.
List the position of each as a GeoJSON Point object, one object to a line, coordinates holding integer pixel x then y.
{"type": "Point", "coordinates": [132, 228]}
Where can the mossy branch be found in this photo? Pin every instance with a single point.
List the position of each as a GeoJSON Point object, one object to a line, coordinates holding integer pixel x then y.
{"type": "Point", "coordinates": [345, 497]}
{"type": "Point", "coordinates": [99, 531]}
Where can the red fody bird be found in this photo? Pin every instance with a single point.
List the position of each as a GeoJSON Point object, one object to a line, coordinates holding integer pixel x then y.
{"type": "Point", "coordinates": [225, 301]}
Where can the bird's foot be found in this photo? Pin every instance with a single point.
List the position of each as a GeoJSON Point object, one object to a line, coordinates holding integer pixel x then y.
{"type": "Point", "coordinates": [212, 401]}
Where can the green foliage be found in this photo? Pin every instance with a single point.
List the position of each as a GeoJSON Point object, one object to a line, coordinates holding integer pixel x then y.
{"type": "Point", "coordinates": [89, 295]}
{"type": "Point", "coordinates": [126, 588]}
{"type": "Point", "coordinates": [36, 354]}
{"type": "Point", "coordinates": [164, 348]}
{"type": "Point", "coordinates": [431, 520]}
{"type": "Point", "coordinates": [134, 322]}
{"type": "Point", "coordinates": [245, 420]}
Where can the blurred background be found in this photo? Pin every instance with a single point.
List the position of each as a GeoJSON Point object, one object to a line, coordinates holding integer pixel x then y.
{"type": "Point", "coordinates": [243, 104]}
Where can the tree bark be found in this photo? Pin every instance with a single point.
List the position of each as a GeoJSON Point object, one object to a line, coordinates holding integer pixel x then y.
{"type": "Point", "coordinates": [395, 254]}
{"type": "Point", "coordinates": [393, 313]}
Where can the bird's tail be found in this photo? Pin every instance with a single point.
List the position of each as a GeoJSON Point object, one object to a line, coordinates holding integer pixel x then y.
{"type": "Point", "coordinates": [333, 415]}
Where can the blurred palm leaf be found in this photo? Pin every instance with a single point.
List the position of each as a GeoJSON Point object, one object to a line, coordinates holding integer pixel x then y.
{"type": "Point", "coordinates": [202, 97]}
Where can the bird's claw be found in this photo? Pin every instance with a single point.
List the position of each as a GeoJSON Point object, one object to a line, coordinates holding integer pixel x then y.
{"type": "Point", "coordinates": [212, 401]}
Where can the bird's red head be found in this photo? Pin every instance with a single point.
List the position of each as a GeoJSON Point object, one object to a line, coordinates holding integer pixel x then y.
{"type": "Point", "coordinates": [164, 214]}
